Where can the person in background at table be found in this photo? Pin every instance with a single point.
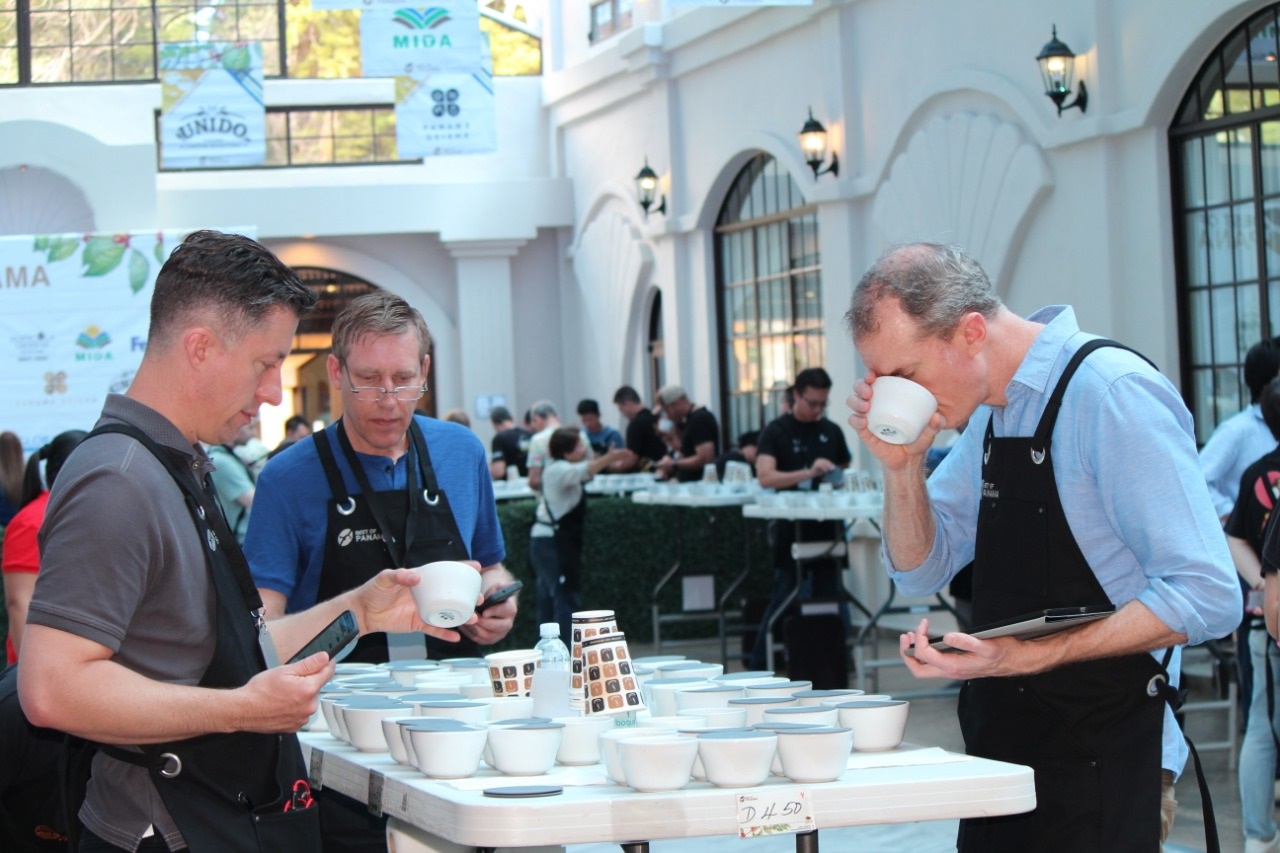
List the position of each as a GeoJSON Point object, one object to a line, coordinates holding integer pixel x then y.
{"type": "Point", "coordinates": [600, 437]}
{"type": "Point", "coordinates": [798, 452]}
{"type": "Point", "coordinates": [1234, 445]}
{"type": "Point", "coordinates": [1256, 500]}
{"type": "Point", "coordinates": [252, 452]}
{"type": "Point", "coordinates": [545, 421]}
{"type": "Point", "coordinates": [699, 436]}
{"type": "Point", "coordinates": [1087, 520]}
{"type": "Point", "coordinates": [233, 480]}
{"type": "Point", "coordinates": [296, 428]}
{"type": "Point", "coordinates": [20, 557]}
{"type": "Point", "coordinates": [457, 416]}
{"type": "Point", "coordinates": [556, 538]}
{"type": "Point", "coordinates": [32, 819]}
{"type": "Point", "coordinates": [144, 635]}
{"type": "Point", "coordinates": [510, 445]}
{"type": "Point", "coordinates": [644, 446]}
{"type": "Point", "coordinates": [11, 473]}
{"type": "Point", "coordinates": [744, 450]}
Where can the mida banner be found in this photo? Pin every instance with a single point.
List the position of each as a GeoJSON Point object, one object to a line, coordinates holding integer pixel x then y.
{"type": "Point", "coordinates": [74, 313]}
{"type": "Point", "coordinates": [396, 41]}
{"type": "Point", "coordinates": [212, 110]}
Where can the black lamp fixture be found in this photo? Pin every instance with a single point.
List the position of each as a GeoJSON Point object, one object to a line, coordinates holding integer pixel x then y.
{"type": "Point", "coordinates": [813, 144]}
{"type": "Point", "coordinates": [1057, 65]}
{"type": "Point", "coordinates": [646, 187]}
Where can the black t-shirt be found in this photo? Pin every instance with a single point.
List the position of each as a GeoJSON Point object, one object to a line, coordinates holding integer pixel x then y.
{"type": "Point", "coordinates": [1252, 518]}
{"type": "Point", "coordinates": [642, 436]}
{"type": "Point", "coordinates": [698, 428]}
{"type": "Point", "coordinates": [512, 446]}
{"type": "Point", "coordinates": [30, 801]}
{"type": "Point", "coordinates": [795, 445]}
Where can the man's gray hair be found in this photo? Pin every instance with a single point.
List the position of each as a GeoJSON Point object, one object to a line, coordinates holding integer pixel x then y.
{"type": "Point", "coordinates": [936, 286]}
{"type": "Point", "coordinates": [544, 409]}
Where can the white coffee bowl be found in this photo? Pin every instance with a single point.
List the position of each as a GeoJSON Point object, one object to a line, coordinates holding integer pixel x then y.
{"type": "Point", "coordinates": [659, 693]}
{"type": "Point", "coordinates": [815, 697]}
{"type": "Point", "coordinates": [833, 701]}
{"type": "Point", "coordinates": [580, 743]}
{"type": "Point", "coordinates": [900, 409]}
{"type": "Point", "coordinates": [750, 676]}
{"type": "Point", "coordinates": [508, 723]}
{"type": "Point", "coordinates": [609, 748]}
{"type": "Point", "coordinates": [416, 699]}
{"type": "Point", "coordinates": [737, 759]}
{"type": "Point", "coordinates": [674, 721]}
{"type": "Point", "coordinates": [525, 750]}
{"type": "Point", "coordinates": [877, 726]}
{"type": "Point", "coordinates": [776, 768]}
{"type": "Point", "coordinates": [447, 594]}
{"type": "Point", "coordinates": [659, 763]}
{"type": "Point", "coordinates": [690, 669]}
{"type": "Point", "coordinates": [755, 706]}
{"type": "Point", "coordinates": [462, 710]}
{"type": "Point", "coordinates": [326, 710]}
{"type": "Point", "coordinates": [814, 755]}
{"type": "Point", "coordinates": [448, 753]}
{"type": "Point", "coordinates": [817, 715]}
{"type": "Point", "coordinates": [405, 671]}
{"type": "Point", "coordinates": [654, 661]}
{"type": "Point", "coordinates": [508, 707]}
{"type": "Point", "coordinates": [364, 724]}
{"type": "Point", "coordinates": [784, 688]}
{"type": "Point", "coordinates": [712, 696]}
{"type": "Point", "coordinates": [395, 741]}
{"type": "Point", "coordinates": [717, 718]}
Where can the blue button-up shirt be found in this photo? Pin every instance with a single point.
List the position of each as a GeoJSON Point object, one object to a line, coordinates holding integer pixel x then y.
{"type": "Point", "coordinates": [1129, 480]}
{"type": "Point", "coordinates": [1237, 443]}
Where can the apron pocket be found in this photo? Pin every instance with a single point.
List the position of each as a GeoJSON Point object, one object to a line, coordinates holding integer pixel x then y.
{"type": "Point", "coordinates": [1068, 815]}
{"type": "Point", "coordinates": [294, 830]}
{"type": "Point", "coordinates": [1002, 564]}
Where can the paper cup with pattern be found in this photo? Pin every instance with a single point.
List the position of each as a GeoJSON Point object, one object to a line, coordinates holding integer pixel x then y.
{"type": "Point", "coordinates": [511, 673]}
{"type": "Point", "coordinates": [611, 685]}
{"type": "Point", "coordinates": [587, 624]}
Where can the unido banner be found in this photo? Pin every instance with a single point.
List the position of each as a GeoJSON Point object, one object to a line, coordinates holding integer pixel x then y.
{"type": "Point", "coordinates": [74, 312]}
{"type": "Point", "coordinates": [212, 111]}
{"type": "Point", "coordinates": [447, 112]}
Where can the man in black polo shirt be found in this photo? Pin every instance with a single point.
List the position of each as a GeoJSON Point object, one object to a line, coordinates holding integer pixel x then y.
{"type": "Point", "coordinates": [644, 445]}
{"type": "Point", "coordinates": [699, 436]}
{"type": "Point", "coordinates": [797, 452]}
{"type": "Point", "coordinates": [510, 445]}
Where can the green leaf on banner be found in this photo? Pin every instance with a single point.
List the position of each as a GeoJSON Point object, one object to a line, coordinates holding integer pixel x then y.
{"type": "Point", "coordinates": [138, 270]}
{"type": "Point", "coordinates": [159, 250]}
{"type": "Point", "coordinates": [42, 243]}
{"type": "Point", "coordinates": [61, 248]}
{"type": "Point", "coordinates": [236, 59]}
{"type": "Point", "coordinates": [101, 255]}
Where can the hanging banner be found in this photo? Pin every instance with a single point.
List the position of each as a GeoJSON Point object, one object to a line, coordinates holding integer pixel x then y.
{"type": "Point", "coordinates": [397, 42]}
{"type": "Point", "coordinates": [447, 112]}
{"type": "Point", "coordinates": [212, 109]}
{"type": "Point", "coordinates": [74, 313]}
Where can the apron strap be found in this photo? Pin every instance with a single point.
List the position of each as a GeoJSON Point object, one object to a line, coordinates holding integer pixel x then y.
{"type": "Point", "coordinates": [1044, 430]}
{"type": "Point", "coordinates": [345, 502]}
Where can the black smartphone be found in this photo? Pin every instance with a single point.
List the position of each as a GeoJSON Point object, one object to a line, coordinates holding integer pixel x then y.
{"type": "Point", "coordinates": [335, 636]}
{"type": "Point", "coordinates": [499, 595]}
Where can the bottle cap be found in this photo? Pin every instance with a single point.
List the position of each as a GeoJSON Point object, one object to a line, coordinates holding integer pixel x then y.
{"type": "Point", "coordinates": [549, 629]}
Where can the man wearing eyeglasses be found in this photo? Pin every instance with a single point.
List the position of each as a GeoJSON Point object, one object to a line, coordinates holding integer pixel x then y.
{"type": "Point", "coordinates": [380, 487]}
{"type": "Point", "coordinates": [798, 451]}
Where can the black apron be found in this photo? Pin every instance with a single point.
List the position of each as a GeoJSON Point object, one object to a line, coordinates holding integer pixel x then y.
{"type": "Point", "coordinates": [227, 792]}
{"type": "Point", "coordinates": [399, 528]}
{"type": "Point", "coordinates": [1090, 730]}
{"type": "Point", "coordinates": [570, 531]}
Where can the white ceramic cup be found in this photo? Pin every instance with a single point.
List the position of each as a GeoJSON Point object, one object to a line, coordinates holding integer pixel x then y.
{"type": "Point", "coordinates": [737, 759]}
{"type": "Point", "coordinates": [446, 753]}
{"type": "Point", "coordinates": [609, 748]}
{"type": "Point", "coordinates": [580, 743]}
{"type": "Point", "coordinates": [659, 763]}
{"type": "Point", "coordinates": [877, 726]}
{"type": "Point", "coordinates": [814, 755]}
{"type": "Point", "coordinates": [527, 750]}
{"type": "Point", "coordinates": [447, 594]}
{"type": "Point", "coordinates": [900, 409]}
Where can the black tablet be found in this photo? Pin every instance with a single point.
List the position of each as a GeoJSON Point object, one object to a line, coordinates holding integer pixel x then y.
{"type": "Point", "coordinates": [1031, 625]}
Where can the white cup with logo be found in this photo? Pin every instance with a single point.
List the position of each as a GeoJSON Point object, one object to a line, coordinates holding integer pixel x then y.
{"type": "Point", "coordinates": [900, 409]}
{"type": "Point", "coordinates": [447, 594]}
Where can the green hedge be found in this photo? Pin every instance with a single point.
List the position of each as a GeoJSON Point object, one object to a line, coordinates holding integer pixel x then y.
{"type": "Point", "coordinates": [629, 547]}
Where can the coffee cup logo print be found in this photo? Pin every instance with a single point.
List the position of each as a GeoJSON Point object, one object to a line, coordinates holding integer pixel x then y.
{"type": "Point", "coordinates": [611, 684]}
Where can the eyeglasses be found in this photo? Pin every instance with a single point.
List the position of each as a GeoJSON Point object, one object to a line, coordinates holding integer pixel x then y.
{"type": "Point", "coordinates": [375, 393]}
{"type": "Point", "coordinates": [815, 404]}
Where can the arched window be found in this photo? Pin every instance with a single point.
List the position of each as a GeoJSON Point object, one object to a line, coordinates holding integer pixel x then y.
{"type": "Point", "coordinates": [768, 294]}
{"type": "Point", "coordinates": [1225, 151]}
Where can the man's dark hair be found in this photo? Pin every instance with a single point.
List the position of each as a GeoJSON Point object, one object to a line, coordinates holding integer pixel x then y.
{"type": "Point", "coordinates": [748, 439]}
{"type": "Point", "coordinates": [1261, 364]}
{"type": "Point", "coordinates": [1270, 402]}
{"type": "Point", "coordinates": [500, 415]}
{"type": "Point", "coordinates": [234, 278]}
{"type": "Point", "coordinates": [588, 407]}
{"type": "Point", "coordinates": [563, 441]}
{"type": "Point", "coordinates": [812, 377]}
{"type": "Point", "coordinates": [626, 394]}
{"type": "Point", "coordinates": [294, 422]}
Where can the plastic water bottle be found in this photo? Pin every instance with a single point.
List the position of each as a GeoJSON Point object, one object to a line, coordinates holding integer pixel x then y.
{"type": "Point", "coordinates": [552, 679]}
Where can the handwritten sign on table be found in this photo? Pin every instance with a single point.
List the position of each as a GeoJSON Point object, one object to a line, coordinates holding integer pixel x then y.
{"type": "Point", "coordinates": [787, 810]}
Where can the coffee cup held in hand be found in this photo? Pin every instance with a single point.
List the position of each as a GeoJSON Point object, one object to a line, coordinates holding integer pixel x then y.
{"type": "Point", "coordinates": [446, 596]}
{"type": "Point", "coordinates": [900, 409]}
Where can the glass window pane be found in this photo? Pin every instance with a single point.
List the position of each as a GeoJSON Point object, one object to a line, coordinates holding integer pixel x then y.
{"type": "Point", "coordinates": [1223, 302]}
{"type": "Point", "coordinates": [1273, 307]}
{"type": "Point", "coordinates": [1262, 58]}
{"type": "Point", "coordinates": [1216, 177]}
{"type": "Point", "coordinates": [1241, 142]}
{"type": "Point", "coordinates": [1248, 319]}
{"type": "Point", "coordinates": [1235, 62]}
{"type": "Point", "coordinates": [1202, 398]}
{"type": "Point", "coordinates": [1244, 237]}
{"type": "Point", "coordinates": [1227, 391]}
{"type": "Point", "coordinates": [1201, 337]}
{"type": "Point", "coordinates": [1197, 249]}
{"type": "Point", "coordinates": [1220, 246]}
{"type": "Point", "coordinates": [1269, 145]}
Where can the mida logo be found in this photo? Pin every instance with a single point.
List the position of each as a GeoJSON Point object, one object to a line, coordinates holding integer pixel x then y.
{"type": "Point", "coordinates": [421, 19]}
{"type": "Point", "coordinates": [93, 340]}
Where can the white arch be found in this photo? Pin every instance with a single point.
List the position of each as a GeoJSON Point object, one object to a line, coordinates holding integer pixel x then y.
{"type": "Point", "coordinates": [738, 151]}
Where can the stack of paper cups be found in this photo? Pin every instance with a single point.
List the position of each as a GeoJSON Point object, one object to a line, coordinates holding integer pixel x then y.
{"type": "Point", "coordinates": [611, 684]}
{"type": "Point", "coordinates": [586, 625]}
